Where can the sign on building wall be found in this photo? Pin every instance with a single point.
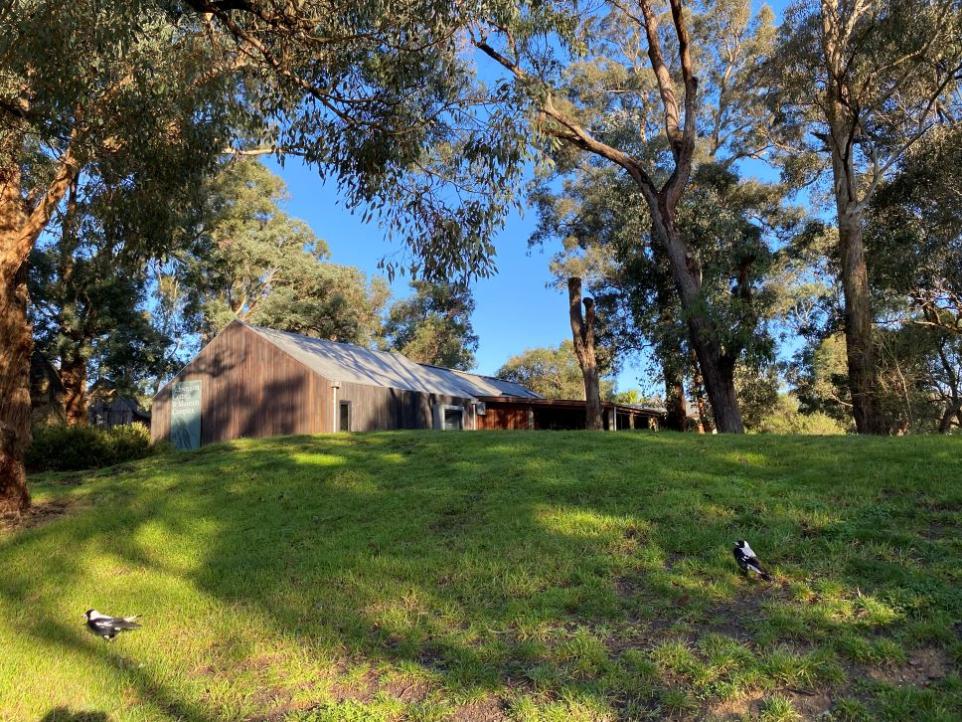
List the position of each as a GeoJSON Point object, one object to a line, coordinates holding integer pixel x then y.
{"type": "Point", "coordinates": [185, 415]}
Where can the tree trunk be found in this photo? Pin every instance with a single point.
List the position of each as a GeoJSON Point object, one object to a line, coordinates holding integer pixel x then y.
{"type": "Point", "coordinates": [16, 344]}
{"type": "Point", "coordinates": [583, 334]}
{"type": "Point", "coordinates": [669, 349]}
{"type": "Point", "coordinates": [858, 317]}
{"type": "Point", "coordinates": [717, 370]}
{"type": "Point", "coordinates": [676, 408]}
{"type": "Point", "coordinates": [844, 129]}
{"type": "Point", "coordinates": [698, 389]}
{"type": "Point", "coordinates": [73, 375]}
{"type": "Point", "coordinates": [19, 230]}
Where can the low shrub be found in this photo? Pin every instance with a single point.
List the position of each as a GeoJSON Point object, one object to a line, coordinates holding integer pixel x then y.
{"type": "Point", "coordinates": [69, 448]}
{"type": "Point", "coordinates": [787, 419]}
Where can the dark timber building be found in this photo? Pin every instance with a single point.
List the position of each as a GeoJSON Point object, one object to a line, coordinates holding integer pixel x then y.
{"type": "Point", "coordinates": [252, 381]}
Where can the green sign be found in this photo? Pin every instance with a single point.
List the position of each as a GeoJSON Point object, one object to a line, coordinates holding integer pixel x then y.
{"type": "Point", "coordinates": [185, 415]}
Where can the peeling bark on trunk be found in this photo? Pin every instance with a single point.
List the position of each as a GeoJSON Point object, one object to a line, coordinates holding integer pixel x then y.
{"type": "Point", "coordinates": [16, 344]}
{"type": "Point", "coordinates": [583, 334]}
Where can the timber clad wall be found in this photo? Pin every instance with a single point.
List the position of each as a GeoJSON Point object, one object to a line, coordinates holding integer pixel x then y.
{"type": "Point", "coordinates": [377, 408]}
{"type": "Point", "coordinates": [503, 417]}
{"type": "Point", "coordinates": [249, 387]}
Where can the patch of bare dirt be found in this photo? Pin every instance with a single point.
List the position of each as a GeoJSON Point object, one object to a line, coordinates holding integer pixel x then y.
{"type": "Point", "coordinates": [36, 515]}
{"type": "Point", "coordinates": [810, 705]}
{"type": "Point", "coordinates": [408, 690]}
{"type": "Point", "coordinates": [737, 708]}
{"type": "Point", "coordinates": [486, 710]}
{"type": "Point", "coordinates": [924, 665]}
{"type": "Point", "coordinates": [362, 689]}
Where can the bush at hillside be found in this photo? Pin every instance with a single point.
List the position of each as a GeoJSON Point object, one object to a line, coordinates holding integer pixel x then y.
{"type": "Point", "coordinates": [787, 419]}
{"type": "Point", "coordinates": [68, 448]}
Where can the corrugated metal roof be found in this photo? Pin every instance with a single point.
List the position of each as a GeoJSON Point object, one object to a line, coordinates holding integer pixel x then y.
{"type": "Point", "coordinates": [489, 385]}
{"type": "Point", "coordinates": [359, 365]}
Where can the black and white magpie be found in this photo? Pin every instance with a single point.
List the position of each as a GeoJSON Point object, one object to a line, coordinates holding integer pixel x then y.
{"type": "Point", "coordinates": [748, 561]}
{"type": "Point", "coordinates": [108, 627]}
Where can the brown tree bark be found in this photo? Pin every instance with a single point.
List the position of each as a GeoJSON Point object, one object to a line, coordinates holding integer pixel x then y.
{"type": "Point", "coordinates": [20, 226]}
{"type": "Point", "coordinates": [73, 376]}
{"type": "Point", "coordinates": [844, 128]}
{"type": "Point", "coordinates": [717, 366]}
{"type": "Point", "coordinates": [16, 344]}
{"type": "Point", "coordinates": [676, 406]}
{"type": "Point", "coordinates": [583, 334]}
{"type": "Point", "coordinates": [698, 390]}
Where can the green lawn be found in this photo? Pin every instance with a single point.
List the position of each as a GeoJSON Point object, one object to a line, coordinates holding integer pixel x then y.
{"type": "Point", "coordinates": [494, 576]}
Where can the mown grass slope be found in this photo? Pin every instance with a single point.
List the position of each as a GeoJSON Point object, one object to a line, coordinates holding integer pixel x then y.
{"type": "Point", "coordinates": [494, 576]}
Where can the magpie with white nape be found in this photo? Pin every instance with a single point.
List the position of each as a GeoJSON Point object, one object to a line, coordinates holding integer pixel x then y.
{"type": "Point", "coordinates": [748, 561]}
{"type": "Point", "coordinates": [108, 627]}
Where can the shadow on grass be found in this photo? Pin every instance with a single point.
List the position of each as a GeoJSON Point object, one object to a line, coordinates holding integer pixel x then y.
{"type": "Point", "coordinates": [63, 714]}
{"type": "Point", "coordinates": [589, 569]}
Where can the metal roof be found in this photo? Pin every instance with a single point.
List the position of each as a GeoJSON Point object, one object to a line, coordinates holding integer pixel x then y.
{"type": "Point", "coordinates": [356, 364]}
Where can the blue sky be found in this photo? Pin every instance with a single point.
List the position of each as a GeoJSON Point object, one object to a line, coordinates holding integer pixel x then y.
{"type": "Point", "coordinates": [515, 309]}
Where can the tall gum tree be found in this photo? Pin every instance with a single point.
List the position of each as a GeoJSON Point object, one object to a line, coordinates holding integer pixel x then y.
{"type": "Point", "coordinates": [514, 40]}
{"type": "Point", "coordinates": [81, 83]}
{"type": "Point", "coordinates": [855, 84]}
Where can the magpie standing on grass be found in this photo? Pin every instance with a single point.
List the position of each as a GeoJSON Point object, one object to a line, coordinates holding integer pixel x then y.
{"type": "Point", "coordinates": [108, 627]}
{"type": "Point", "coordinates": [748, 561]}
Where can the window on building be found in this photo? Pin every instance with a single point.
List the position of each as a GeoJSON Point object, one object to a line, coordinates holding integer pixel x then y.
{"type": "Point", "coordinates": [344, 416]}
{"type": "Point", "coordinates": [453, 418]}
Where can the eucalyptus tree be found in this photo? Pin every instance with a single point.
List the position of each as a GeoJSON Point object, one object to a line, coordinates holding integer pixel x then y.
{"type": "Point", "coordinates": [590, 88]}
{"type": "Point", "coordinates": [552, 372]}
{"type": "Point", "coordinates": [399, 118]}
{"type": "Point", "coordinates": [915, 232]}
{"type": "Point", "coordinates": [85, 84]}
{"type": "Point", "coordinates": [250, 261]}
{"type": "Point", "coordinates": [434, 325]}
{"type": "Point", "coordinates": [854, 85]}
{"type": "Point", "coordinates": [579, 215]}
{"type": "Point", "coordinates": [728, 221]}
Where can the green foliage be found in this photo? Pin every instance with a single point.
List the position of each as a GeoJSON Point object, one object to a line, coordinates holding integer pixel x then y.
{"type": "Point", "coordinates": [757, 390]}
{"type": "Point", "coordinates": [434, 326]}
{"type": "Point", "coordinates": [552, 372]}
{"type": "Point", "coordinates": [137, 96]}
{"type": "Point", "coordinates": [253, 262]}
{"type": "Point", "coordinates": [634, 397]}
{"type": "Point", "coordinates": [786, 418]}
{"type": "Point", "coordinates": [69, 448]}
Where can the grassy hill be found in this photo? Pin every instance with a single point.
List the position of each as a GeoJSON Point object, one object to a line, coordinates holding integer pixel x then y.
{"type": "Point", "coordinates": [494, 576]}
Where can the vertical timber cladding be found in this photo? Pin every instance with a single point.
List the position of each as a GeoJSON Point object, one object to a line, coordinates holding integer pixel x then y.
{"type": "Point", "coordinates": [185, 414]}
{"type": "Point", "coordinates": [380, 408]}
{"type": "Point", "coordinates": [249, 387]}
